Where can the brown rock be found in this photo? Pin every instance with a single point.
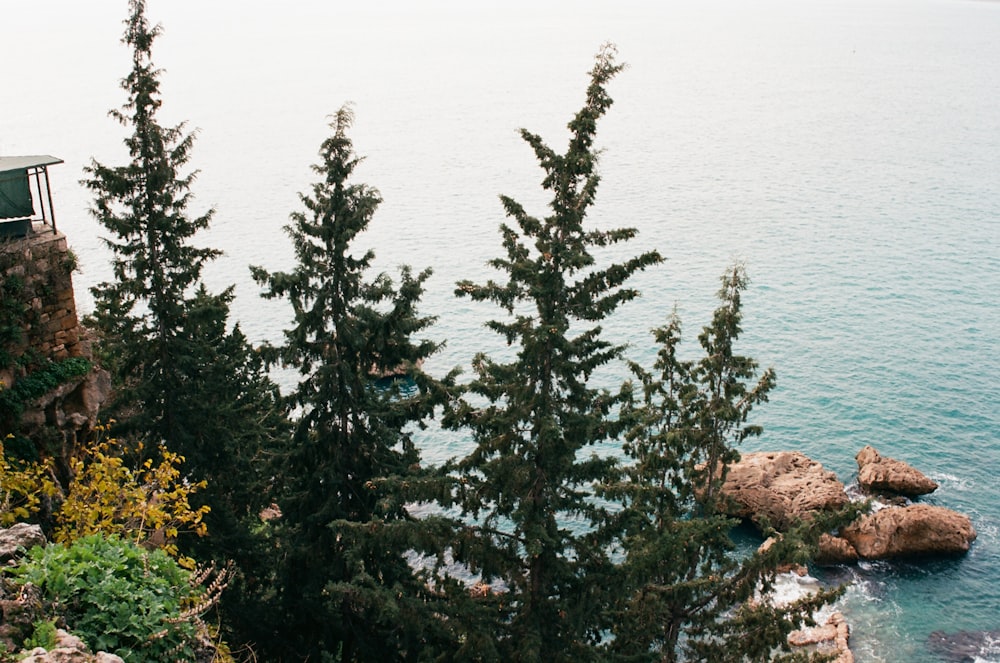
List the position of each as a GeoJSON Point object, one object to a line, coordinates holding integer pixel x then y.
{"type": "Point", "coordinates": [835, 550]}
{"type": "Point", "coordinates": [781, 487]}
{"type": "Point", "coordinates": [835, 635]}
{"type": "Point", "coordinates": [788, 567]}
{"type": "Point", "coordinates": [813, 636]}
{"type": "Point", "coordinates": [917, 529]}
{"type": "Point", "coordinates": [877, 473]}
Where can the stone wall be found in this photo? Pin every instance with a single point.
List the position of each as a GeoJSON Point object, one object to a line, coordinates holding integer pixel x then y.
{"type": "Point", "coordinates": [43, 263]}
{"type": "Point", "coordinates": [39, 321]}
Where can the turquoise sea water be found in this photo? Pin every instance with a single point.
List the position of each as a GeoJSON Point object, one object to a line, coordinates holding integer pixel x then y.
{"type": "Point", "coordinates": [848, 152]}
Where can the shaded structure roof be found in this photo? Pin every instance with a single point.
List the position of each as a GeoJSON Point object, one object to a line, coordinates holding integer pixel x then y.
{"type": "Point", "coordinates": [21, 163]}
{"type": "Point", "coordinates": [17, 204]}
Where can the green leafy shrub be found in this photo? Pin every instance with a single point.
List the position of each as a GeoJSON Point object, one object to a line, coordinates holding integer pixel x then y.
{"type": "Point", "coordinates": [118, 597]}
{"type": "Point", "coordinates": [44, 635]}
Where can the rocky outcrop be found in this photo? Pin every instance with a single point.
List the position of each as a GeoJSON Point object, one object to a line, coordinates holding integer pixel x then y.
{"type": "Point", "coordinates": [835, 550]}
{"type": "Point", "coordinates": [16, 538]}
{"type": "Point", "coordinates": [20, 610]}
{"type": "Point", "coordinates": [965, 646]}
{"type": "Point", "coordinates": [781, 488]}
{"type": "Point", "coordinates": [877, 473]}
{"type": "Point", "coordinates": [913, 530]}
{"type": "Point", "coordinates": [69, 649]}
{"type": "Point", "coordinates": [70, 407]}
{"type": "Point", "coordinates": [830, 638]}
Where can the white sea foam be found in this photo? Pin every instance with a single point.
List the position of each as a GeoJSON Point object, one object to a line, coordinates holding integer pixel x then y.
{"type": "Point", "coordinates": [954, 482]}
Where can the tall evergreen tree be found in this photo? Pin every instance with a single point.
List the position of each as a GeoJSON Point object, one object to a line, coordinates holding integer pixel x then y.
{"type": "Point", "coordinates": [156, 267]}
{"type": "Point", "coordinates": [684, 593]}
{"type": "Point", "coordinates": [529, 482]}
{"type": "Point", "coordinates": [180, 377]}
{"type": "Point", "coordinates": [345, 586]}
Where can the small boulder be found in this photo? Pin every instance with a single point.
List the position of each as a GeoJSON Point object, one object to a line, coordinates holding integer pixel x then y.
{"type": "Point", "coordinates": [877, 473]}
{"type": "Point", "coordinates": [781, 487]}
{"type": "Point", "coordinates": [17, 537]}
{"type": "Point", "coordinates": [917, 529]}
{"type": "Point", "coordinates": [833, 638]}
{"type": "Point", "coordinates": [69, 649]}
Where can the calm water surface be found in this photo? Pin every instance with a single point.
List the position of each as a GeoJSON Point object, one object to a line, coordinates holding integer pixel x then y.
{"type": "Point", "coordinates": [848, 152]}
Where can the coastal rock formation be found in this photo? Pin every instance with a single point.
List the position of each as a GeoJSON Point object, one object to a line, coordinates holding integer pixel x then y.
{"type": "Point", "coordinates": [835, 550]}
{"type": "Point", "coordinates": [917, 529]}
{"type": "Point", "coordinates": [832, 637]}
{"type": "Point", "coordinates": [965, 646]}
{"type": "Point", "coordinates": [781, 487]}
{"type": "Point", "coordinates": [877, 473]}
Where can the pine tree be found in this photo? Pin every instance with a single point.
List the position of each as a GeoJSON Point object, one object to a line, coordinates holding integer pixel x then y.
{"type": "Point", "coordinates": [180, 377]}
{"type": "Point", "coordinates": [684, 593]}
{"type": "Point", "coordinates": [528, 483]}
{"type": "Point", "coordinates": [345, 586]}
{"type": "Point", "coordinates": [156, 267]}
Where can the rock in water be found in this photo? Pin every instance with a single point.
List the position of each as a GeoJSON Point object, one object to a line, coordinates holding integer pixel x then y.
{"type": "Point", "coordinates": [781, 487]}
{"type": "Point", "coordinates": [835, 550]}
{"type": "Point", "coordinates": [877, 473]}
{"type": "Point", "coordinates": [917, 529]}
{"type": "Point", "coordinates": [833, 638]}
{"type": "Point", "coordinates": [965, 646]}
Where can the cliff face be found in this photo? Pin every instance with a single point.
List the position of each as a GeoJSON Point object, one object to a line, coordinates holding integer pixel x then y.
{"type": "Point", "coordinates": [38, 322]}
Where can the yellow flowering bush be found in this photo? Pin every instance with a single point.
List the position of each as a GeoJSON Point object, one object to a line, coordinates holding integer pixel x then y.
{"type": "Point", "coordinates": [148, 504]}
{"type": "Point", "coordinates": [22, 487]}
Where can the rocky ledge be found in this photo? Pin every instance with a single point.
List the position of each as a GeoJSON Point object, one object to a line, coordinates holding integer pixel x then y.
{"type": "Point", "coordinates": [68, 649]}
{"type": "Point", "coordinates": [831, 639]}
{"type": "Point", "coordinates": [781, 488]}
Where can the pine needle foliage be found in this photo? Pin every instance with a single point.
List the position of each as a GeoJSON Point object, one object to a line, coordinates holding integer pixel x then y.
{"type": "Point", "coordinates": [528, 482]}
{"type": "Point", "coordinates": [155, 264]}
{"type": "Point", "coordinates": [181, 375]}
{"type": "Point", "coordinates": [684, 594]}
{"type": "Point", "coordinates": [344, 584]}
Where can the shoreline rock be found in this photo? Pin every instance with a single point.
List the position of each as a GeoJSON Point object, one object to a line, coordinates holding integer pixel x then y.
{"type": "Point", "coordinates": [910, 531]}
{"type": "Point", "coordinates": [781, 487]}
{"type": "Point", "coordinates": [833, 635]}
{"type": "Point", "coordinates": [877, 473]}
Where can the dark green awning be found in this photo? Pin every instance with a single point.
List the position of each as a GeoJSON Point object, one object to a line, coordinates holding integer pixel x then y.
{"type": "Point", "coordinates": [15, 186]}
{"type": "Point", "coordinates": [15, 195]}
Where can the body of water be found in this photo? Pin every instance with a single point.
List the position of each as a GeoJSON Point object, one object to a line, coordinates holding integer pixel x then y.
{"type": "Point", "coordinates": [848, 152]}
